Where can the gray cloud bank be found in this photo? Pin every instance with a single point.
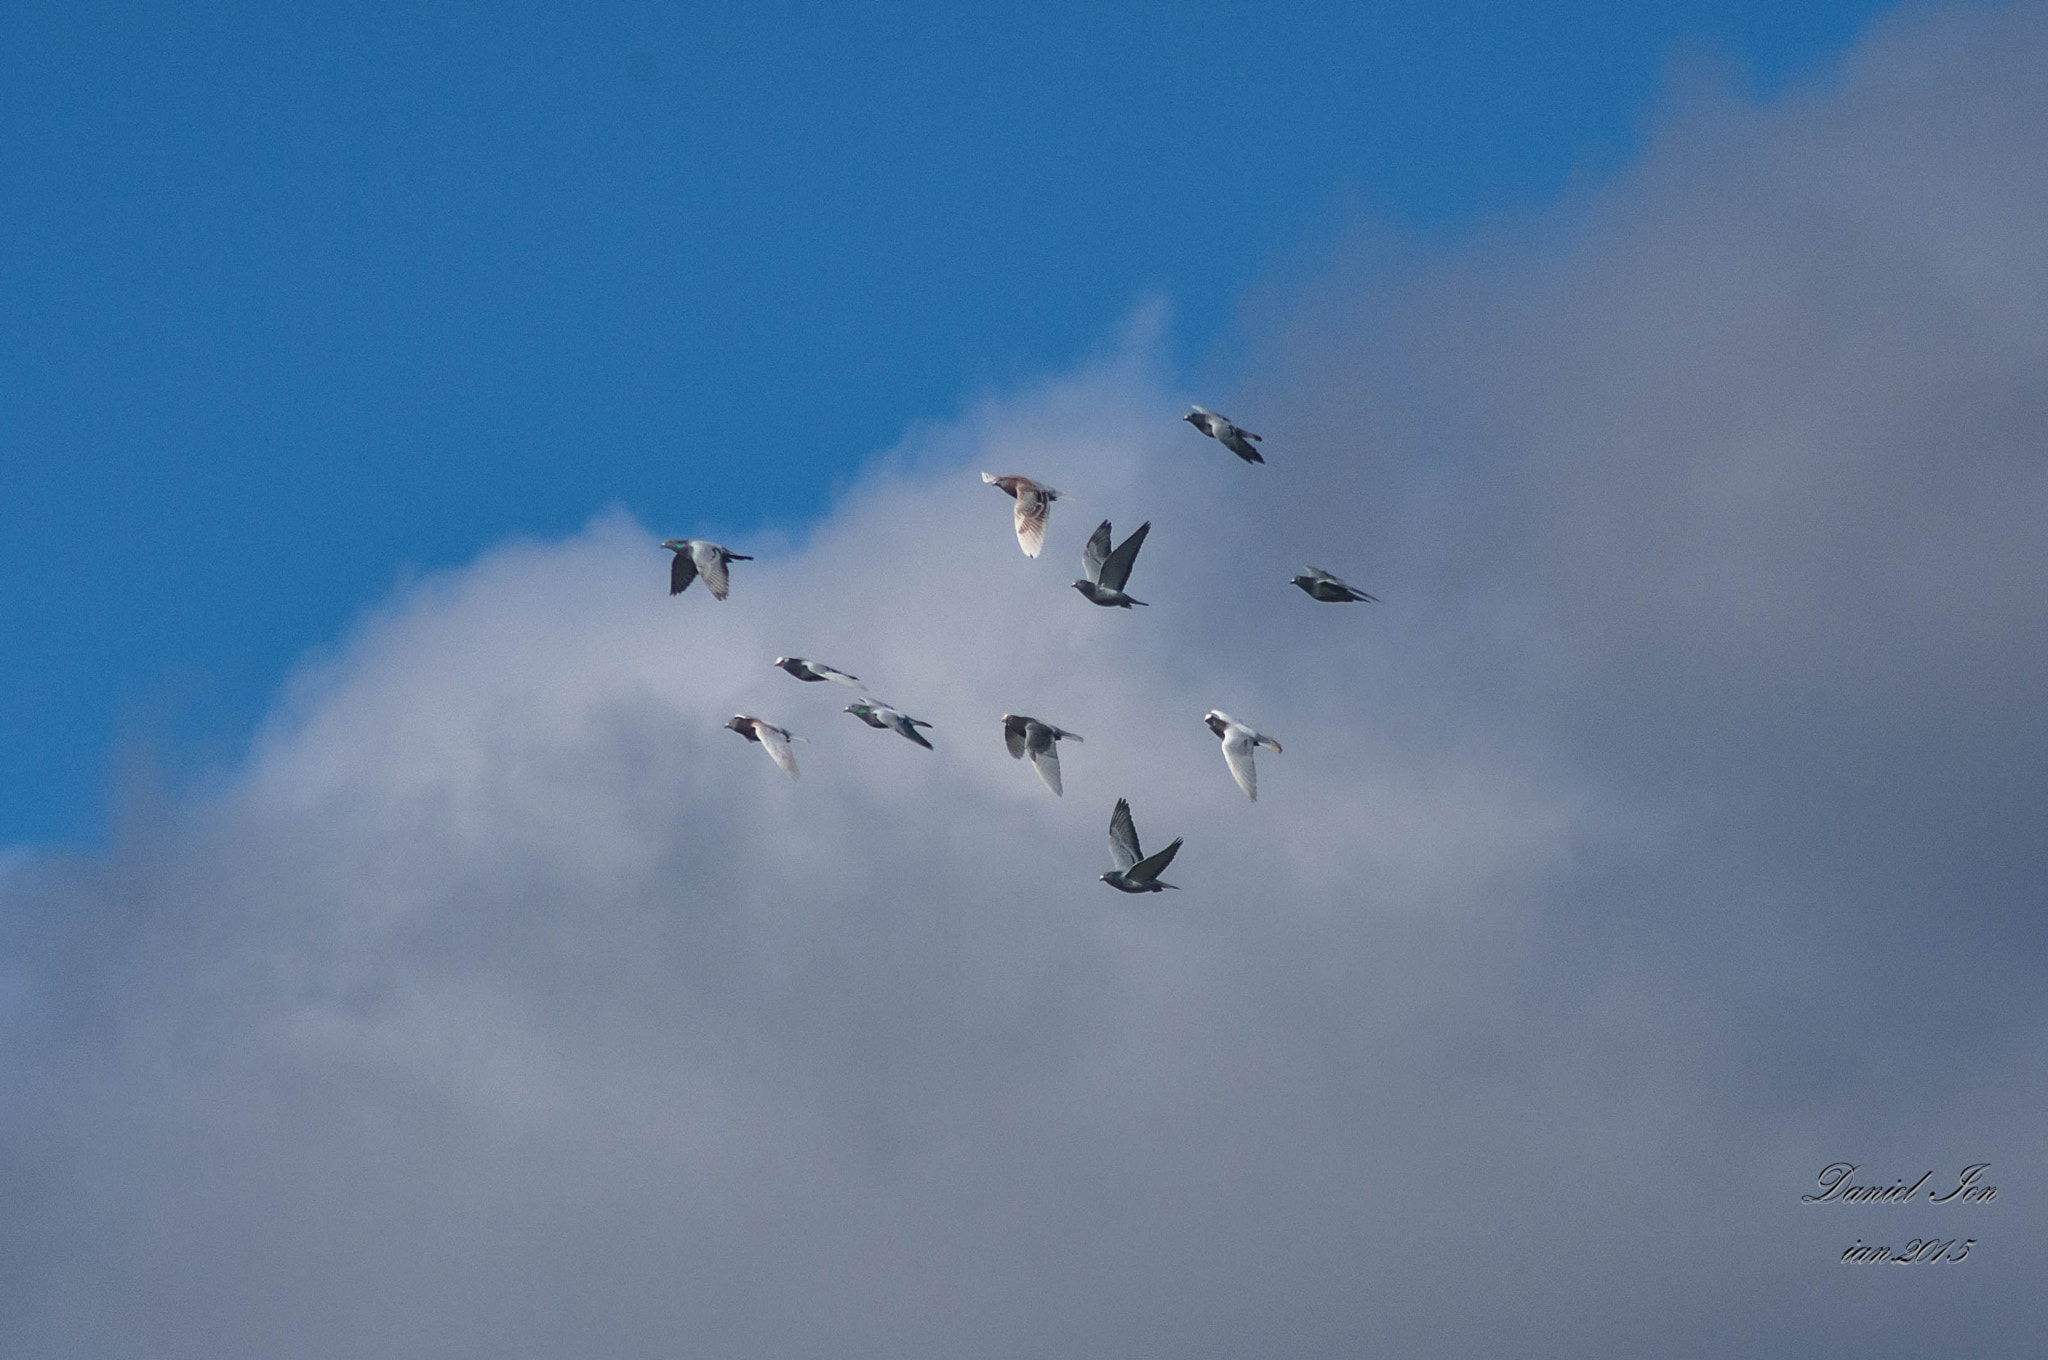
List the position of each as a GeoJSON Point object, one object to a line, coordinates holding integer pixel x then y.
{"type": "Point", "coordinates": [1673, 829]}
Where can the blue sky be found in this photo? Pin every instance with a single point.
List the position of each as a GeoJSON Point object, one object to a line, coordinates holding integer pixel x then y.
{"type": "Point", "coordinates": [295, 300]}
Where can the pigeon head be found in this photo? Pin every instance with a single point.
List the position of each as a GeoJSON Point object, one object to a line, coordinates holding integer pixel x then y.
{"type": "Point", "coordinates": [1217, 720]}
{"type": "Point", "coordinates": [676, 544]}
{"type": "Point", "coordinates": [744, 726]}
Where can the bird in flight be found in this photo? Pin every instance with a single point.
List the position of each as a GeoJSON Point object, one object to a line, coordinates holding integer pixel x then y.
{"type": "Point", "coordinates": [1238, 441]}
{"type": "Point", "coordinates": [1133, 874]}
{"type": "Point", "coordinates": [877, 714]}
{"type": "Point", "coordinates": [1238, 741]}
{"type": "Point", "coordinates": [1034, 503]}
{"type": "Point", "coordinates": [699, 557]}
{"type": "Point", "coordinates": [1322, 586]}
{"type": "Point", "coordinates": [774, 740]}
{"type": "Point", "coordinates": [813, 670]}
{"type": "Point", "coordinates": [1040, 741]}
{"type": "Point", "coordinates": [1108, 571]}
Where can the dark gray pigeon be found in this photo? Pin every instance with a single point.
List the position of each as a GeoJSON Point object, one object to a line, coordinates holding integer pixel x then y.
{"type": "Point", "coordinates": [698, 557]}
{"type": "Point", "coordinates": [1132, 874]}
{"type": "Point", "coordinates": [1108, 571]}
{"type": "Point", "coordinates": [774, 740]}
{"type": "Point", "coordinates": [813, 670]}
{"type": "Point", "coordinates": [1322, 586]}
{"type": "Point", "coordinates": [875, 713]}
{"type": "Point", "coordinates": [1040, 740]}
{"type": "Point", "coordinates": [1223, 432]}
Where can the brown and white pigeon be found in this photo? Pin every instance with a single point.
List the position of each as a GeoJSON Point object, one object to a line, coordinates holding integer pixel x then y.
{"type": "Point", "coordinates": [1034, 503]}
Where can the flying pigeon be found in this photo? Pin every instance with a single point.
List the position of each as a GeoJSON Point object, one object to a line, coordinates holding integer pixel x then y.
{"type": "Point", "coordinates": [1238, 741]}
{"type": "Point", "coordinates": [1034, 503]}
{"type": "Point", "coordinates": [1223, 432]}
{"type": "Point", "coordinates": [812, 670]}
{"type": "Point", "coordinates": [1041, 740]}
{"type": "Point", "coordinates": [1107, 571]}
{"type": "Point", "coordinates": [1322, 586]}
{"type": "Point", "coordinates": [699, 557]}
{"type": "Point", "coordinates": [774, 740]}
{"type": "Point", "coordinates": [1132, 874]}
{"type": "Point", "coordinates": [875, 713]}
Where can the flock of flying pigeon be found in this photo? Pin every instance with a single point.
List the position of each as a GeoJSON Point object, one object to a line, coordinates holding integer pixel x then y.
{"type": "Point", "coordinates": [1105, 572]}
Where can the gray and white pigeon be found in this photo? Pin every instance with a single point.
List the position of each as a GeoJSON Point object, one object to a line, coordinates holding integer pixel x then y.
{"type": "Point", "coordinates": [1238, 741]}
{"type": "Point", "coordinates": [1108, 571]}
{"type": "Point", "coordinates": [774, 740]}
{"type": "Point", "coordinates": [1034, 503]}
{"type": "Point", "coordinates": [1238, 441]}
{"type": "Point", "coordinates": [1040, 740]}
{"type": "Point", "coordinates": [1322, 586]}
{"type": "Point", "coordinates": [813, 670]}
{"type": "Point", "coordinates": [875, 713]}
{"type": "Point", "coordinates": [1133, 874]}
{"type": "Point", "coordinates": [699, 557]}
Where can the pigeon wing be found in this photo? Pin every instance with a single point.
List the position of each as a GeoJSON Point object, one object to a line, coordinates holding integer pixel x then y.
{"type": "Point", "coordinates": [1237, 754]}
{"type": "Point", "coordinates": [1148, 870]}
{"type": "Point", "coordinates": [776, 742]}
{"type": "Point", "coordinates": [835, 676]}
{"type": "Point", "coordinates": [1032, 507]}
{"type": "Point", "coordinates": [681, 572]}
{"type": "Point", "coordinates": [1123, 837]}
{"type": "Point", "coordinates": [1233, 439]}
{"type": "Point", "coordinates": [1096, 553]}
{"type": "Point", "coordinates": [903, 724]}
{"type": "Point", "coordinates": [1013, 734]}
{"type": "Point", "coordinates": [1117, 569]}
{"type": "Point", "coordinates": [710, 559]}
{"type": "Point", "coordinates": [1045, 755]}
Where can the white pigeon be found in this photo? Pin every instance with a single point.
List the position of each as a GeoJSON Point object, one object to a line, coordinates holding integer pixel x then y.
{"type": "Point", "coordinates": [699, 557]}
{"type": "Point", "coordinates": [1238, 441]}
{"type": "Point", "coordinates": [1238, 741]}
{"type": "Point", "coordinates": [1034, 503]}
{"type": "Point", "coordinates": [1108, 571]}
{"type": "Point", "coordinates": [877, 714]}
{"type": "Point", "coordinates": [1132, 873]}
{"type": "Point", "coordinates": [774, 740]}
{"type": "Point", "coordinates": [1040, 740]}
{"type": "Point", "coordinates": [813, 670]}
